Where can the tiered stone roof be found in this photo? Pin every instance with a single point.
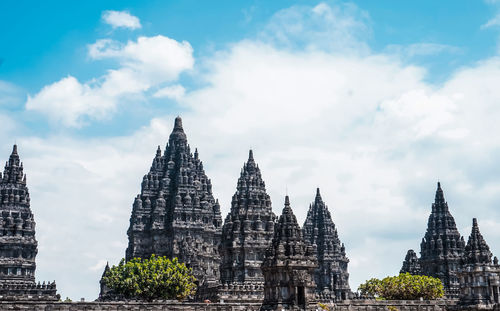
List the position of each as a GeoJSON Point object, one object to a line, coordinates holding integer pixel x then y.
{"type": "Point", "coordinates": [289, 266]}
{"type": "Point", "coordinates": [248, 229]}
{"type": "Point", "coordinates": [476, 250]}
{"type": "Point", "coordinates": [176, 215]}
{"type": "Point", "coordinates": [442, 246]}
{"type": "Point", "coordinates": [411, 263]}
{"type": "Point", "coordinates": [331, 276]}
{"type": "Point", "coordinates": [18, 245]}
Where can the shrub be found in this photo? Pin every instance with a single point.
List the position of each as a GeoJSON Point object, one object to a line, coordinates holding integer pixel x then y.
{"type": "Point", "coordinates": [153, 278]}
{"type": "Point", "coordinates": [404, 287]}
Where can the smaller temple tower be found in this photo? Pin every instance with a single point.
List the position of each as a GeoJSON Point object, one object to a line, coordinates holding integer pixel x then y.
{"type": "Point", "coordinates": [479, 277]}
{"type": "Point", "coordinates": [331, 276]}
{"type": "Point", "coordinates": [18, 246]}
{"type": "Point", "coordinates": [442, 247]}
{"type": "Point", "coordinates": [289, 267]}
{"type": "Point", "coordinates": [247, 233]}
{"type": "Point", "coordinates": [411, 263]}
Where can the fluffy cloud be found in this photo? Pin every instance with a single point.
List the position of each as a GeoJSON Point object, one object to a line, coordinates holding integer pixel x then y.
{"type": "Point", "coordinates": [121, 19]}
{"type": "Point", "coordinates": [364, 127]}
{"type": "Point", "coordinates": [175, 92]}
{"type": "Point", "coordinates": [146, 63]}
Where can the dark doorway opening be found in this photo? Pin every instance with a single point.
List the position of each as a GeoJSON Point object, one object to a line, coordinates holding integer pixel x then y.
{"type": "Point", "coordinates": [301, 297]}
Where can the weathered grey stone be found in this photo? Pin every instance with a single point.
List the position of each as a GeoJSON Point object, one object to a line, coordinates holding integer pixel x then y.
{"type": "Point", "coordinates": [411, 263]}
{"type": "Point", "coordinates": [176, 214]}
{"type": "Point", "coordinates": [331, 276]}
{"type": "Point", "coordinates": [479, 277]}
{"type": "Point", "coordinates": [289, 266]}
{"type": "Point", "coordinates": [18, 246]}
{"type": "Point", "coordinates": [442, 247]}
{"type": "Point", "coordinates": [247, 232]}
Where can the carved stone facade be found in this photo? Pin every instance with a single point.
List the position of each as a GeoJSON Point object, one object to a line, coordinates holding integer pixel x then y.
{"type": "Point", "coordinates": [176, 214]}
{"type": "Point", "coordinates": [331, 276]}
{"type": "Point", "coordinates": [289, 267]}
{"type": "Point", "coordinates": [411, 263]}
{"type": "Point", "coordinates": [18, 246]}
{"type": "Point", "coordinates": [442, 247]}
{"type": "Point", "coordinates": [479, 277]}
{"type": "Point", "coordinates": [247, 232]}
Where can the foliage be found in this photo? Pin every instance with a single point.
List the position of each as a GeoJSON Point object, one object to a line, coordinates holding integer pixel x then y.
{"type": "Point", "coordinates": [153, 278]}
{"type": "Point", "coordinates": [403, 287]}
{"type": "Point", "coordinates": [67, 300]}
{"type": "Point", "coordinates": [392, 308]}
{"type": "Point", "coordinates": [323, 306]}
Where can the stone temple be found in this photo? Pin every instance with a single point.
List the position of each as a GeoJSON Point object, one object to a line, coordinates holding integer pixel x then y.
{"type": "Point", "coordinates": [176, 215]}
{"type": "Point", "coordinates": [331, 276]}
{"type": "Point", "coordinates": [479, 276]}
{"type": "Point", "coordinates": [247, 232]}
{"type": "Point", "coordinates": [442, 248]}
{"type": "Point", "coordinates": [289, 267]}
{"type": "Point", "coordinates": [18, 245]}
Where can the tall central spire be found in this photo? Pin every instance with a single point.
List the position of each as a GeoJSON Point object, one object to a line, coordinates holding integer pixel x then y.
{"type": "Point", "coordinates": [176, 215]}
{"type": "Point", "coordinates": [178, 136]}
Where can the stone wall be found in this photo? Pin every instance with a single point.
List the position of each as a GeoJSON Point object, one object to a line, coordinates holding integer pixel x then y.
{"type": "Point", "coordinates": [354, 305]}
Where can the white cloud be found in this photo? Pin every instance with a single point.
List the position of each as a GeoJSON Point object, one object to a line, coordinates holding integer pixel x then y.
{"type": "Point", "coordinates": [342, 27]}
{"type": "Point", "coordinates": [145, 63]}
{"type": "Point", "coordinates": [121, 19]}
{"type": "Point", "coordinates": [495, 21]}
{"type": "Point", "coordinates": [421, 49]}
{"type": "Point", "coordinates": [175, 92]}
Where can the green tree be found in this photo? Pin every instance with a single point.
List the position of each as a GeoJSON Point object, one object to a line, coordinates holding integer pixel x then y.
{"type": "Point", "coordinates": [152, 278]}
{"type": "Point", "coordinates": [404, 287]}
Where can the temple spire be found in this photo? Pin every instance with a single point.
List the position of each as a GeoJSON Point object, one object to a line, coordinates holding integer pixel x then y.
{"type": "Point", "coordinates": [248, 229]}
{"type": "Point", "coordinates": [439, 198]}
{"type": "Point", "coordinates": [318, 196]}
{"type": "Point", "coordinates": [442, 247]}
{"type": "Point", "coordinates": [332, 278]}
{"type": "Point", "coordinates": [476, 250]}
{"type": "Point", "coordinates": [178, 134]}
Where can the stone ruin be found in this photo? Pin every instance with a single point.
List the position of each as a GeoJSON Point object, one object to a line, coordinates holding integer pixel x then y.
{"type": "Point", "coordinates": [331, 276]}
{"type": "Point", "coordinates": [18, 245]}
{"type": "Point", "coordinates": [176, 215]}
{"type": "Point", "coordinates": [467, 271]}
{"type": "Point", "coordinates": [289, 267]}
{"type": "Point", "coordinates": [247, 232]}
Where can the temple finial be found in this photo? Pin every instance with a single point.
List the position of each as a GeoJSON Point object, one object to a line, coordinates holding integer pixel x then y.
{"type": "Point", "coordinates": [14, 149]}
{"type": "Point", "coordinates": [474, 222]}
{"type": "Point", "coordinates": [158, 151]}
{"type": "Point", "coordinates": [250, 155]}
{"type": "Point", "coordinates": [178, 123]}
{"type": "Point", "coordinates": [287, 200]}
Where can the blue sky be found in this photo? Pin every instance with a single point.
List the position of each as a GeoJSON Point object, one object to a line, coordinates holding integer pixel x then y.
{"type": "Point", "coordinates": [372, 101]}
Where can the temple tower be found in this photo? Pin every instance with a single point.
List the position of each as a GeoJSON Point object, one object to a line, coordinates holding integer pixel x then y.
{"type": "Point", "coordinates": [288, 267]}
{"type": "Point", "coordinates": [331, 276]}
{"type": "Point", "coordinates": [479, 277]}
{"type": "Point", "coordinates": [247, 232]}
{"type": "Point", "coordinates": [18, 246]}
{"type": "Point", "coordinates": [442, 246]}
{"type": "Point", "coordinates": [411, 263]}
{"type": "Point", "coordinates": [176, 215]}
